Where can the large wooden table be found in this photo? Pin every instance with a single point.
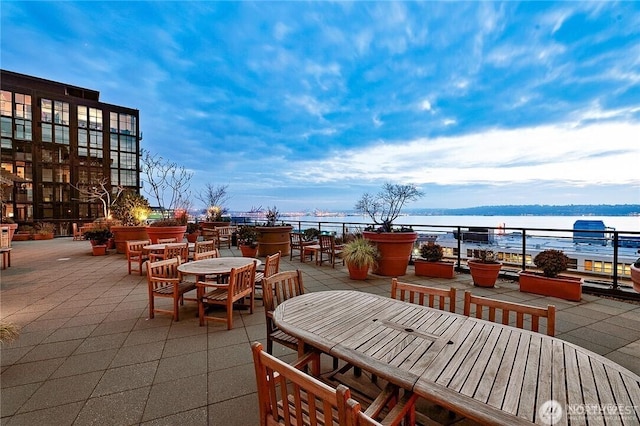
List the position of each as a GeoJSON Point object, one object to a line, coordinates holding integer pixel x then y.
{"type": "Point", "coordinates": [488, 372]}
{"type": "Point", "coordinates": [215, 266]}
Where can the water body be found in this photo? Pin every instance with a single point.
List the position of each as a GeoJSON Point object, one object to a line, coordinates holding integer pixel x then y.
{"type": "Point", "coordinates": [619, 223]}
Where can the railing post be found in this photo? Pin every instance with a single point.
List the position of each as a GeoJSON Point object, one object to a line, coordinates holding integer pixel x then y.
{"type": "Point", "coordinates": [615, 259]}
{"type": "Point", "coordinates": [459, 247]}
{"type": "Point", "coordinates": [524, 249]}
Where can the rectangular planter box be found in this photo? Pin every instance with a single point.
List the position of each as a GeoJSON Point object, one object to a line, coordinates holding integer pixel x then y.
{"type": "Point", "coordinates": [563, 287]}
{"type": "Point", "coordinates": [434, 269]}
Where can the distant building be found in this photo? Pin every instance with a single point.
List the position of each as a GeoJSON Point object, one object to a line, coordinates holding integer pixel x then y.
{"type": "Point", "coordinates": [55, 134]}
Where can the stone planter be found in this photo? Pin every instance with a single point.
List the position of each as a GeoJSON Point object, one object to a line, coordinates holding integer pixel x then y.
{"type": "Point", "coordinates": [122, 234]}
{"type": "Point", "coordinates": [563, 287]}
{"type": "Point", "coordinates": [20, 236]}
{"type": "Point", "coordinates": [395, 251]}
{"type": "Point", "coordinates": [155, 232]}
{"type": "Point", "coordinates": [484, 274]}
{"type": "Point", "coordinates": [438, 269]}
{"type": "Point", "coordinates": [273, 239]}
{"type": "Point", "coordinates": [46, 236]}
{"type": "Point", "coordinates": [635, 278]}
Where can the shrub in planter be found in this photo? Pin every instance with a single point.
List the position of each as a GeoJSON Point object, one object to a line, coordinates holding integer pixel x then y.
{"type": "Point", "coordinates": [431, 264]}
{"type": "Point", "coordinates": [359, 255]}
{"type": "Point", "coordinates": [551, 262]}
{"type": "Point", "coordinates": [550, 282]}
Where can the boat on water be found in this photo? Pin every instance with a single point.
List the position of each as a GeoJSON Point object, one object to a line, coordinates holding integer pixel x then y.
{"type": "Point", "coordinates": [593, 248]}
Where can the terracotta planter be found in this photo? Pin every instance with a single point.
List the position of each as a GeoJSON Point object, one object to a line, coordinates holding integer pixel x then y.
{"type": "Point", "coordinates": [358, 273]}
{"type": "Point", "coordinates": [19, 236]}
{"type": "Point", "coordinates": [440, 269]}
{"type": "Point", "coordinates": [47, 236]}
{"type": "Point", "coordinates": [635, 277]}
{"type": "Point", "coordinates": [155, 232]}
{"type": "Point", "coordinates": [193, 237]}
{"type": "Point", "coordinates": [99, 250]}
{"type": "Point", "coordinates": [395, 251]}
{"type": "Point", "coordinates": [273, 239]}
{"type": "Point", "coordinates": [563, 287]}
{"type": "Point", "coordinates": [484, 274]}
{"type": "Point", "coordinates": [248, 251]}
{"type": "Point", "coordinates": [122, 234]}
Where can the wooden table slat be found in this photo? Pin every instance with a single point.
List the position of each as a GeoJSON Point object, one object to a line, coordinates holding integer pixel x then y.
{"type": "Point", "coordinates": [516, 378]}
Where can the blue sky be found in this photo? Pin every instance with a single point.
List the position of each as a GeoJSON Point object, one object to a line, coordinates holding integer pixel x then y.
{"type": "Point", "coordinates": [306, 105]}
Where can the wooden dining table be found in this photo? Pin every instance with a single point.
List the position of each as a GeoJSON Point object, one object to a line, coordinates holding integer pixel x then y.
{"type": "Point", "coordinates": [215, 266]}
{"type": "Point", "coordinates": [488, 372]}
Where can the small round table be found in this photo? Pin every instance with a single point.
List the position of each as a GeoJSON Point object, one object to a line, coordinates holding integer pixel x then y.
{"type": "Point", "coordinates": [216, 266]}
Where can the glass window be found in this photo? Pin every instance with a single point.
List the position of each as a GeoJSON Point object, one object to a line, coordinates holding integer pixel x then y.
{"type": "Point", "coordinates": [5, 103]}
{"type": "Point", "coordinates": [6, 127]}
{"type": "Point", "coordinates": [113, 122]}
{"type": "Point", "coordinates": [47, 132]}
{"type": "Point", "coordinates": [46, 155]}
{"type": "Point", "coordinates": [47, 174]}
{"type": "Point", "coordinates": [82, 117]}
{"type": "Point", "coordinates": [23, 130]}
{"type": "Point", "coordinates": [82, 138]}
{"type": "Point", "coordinates": [114, 142]}
{"type": "Point", "coordinates": [128, 143]}
{"type": "Point", "coordinates": [95, 118]}
{"type": "Point", "coordinates": [62, 174]}
{"type": "Point", "coordinates": [128, 177]}
{"type": "Point", "coordinates": [114, 177]}
{"type": "Point", "coordinates": [23, 106]}
{"type": "Point", "coordinates": [114, 159]}
{"type": "Point", "coordinates": [6, 143]}
{"type": "Point", "coordinates": [128, 161]}
{"type": "Point", "coordinates": [61, 113]}
{"type": "Point", "coordinates": [47, 110]}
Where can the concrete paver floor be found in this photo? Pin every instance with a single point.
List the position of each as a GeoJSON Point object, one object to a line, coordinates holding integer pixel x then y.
{"type": "Point", "coordinates": [88, 354]}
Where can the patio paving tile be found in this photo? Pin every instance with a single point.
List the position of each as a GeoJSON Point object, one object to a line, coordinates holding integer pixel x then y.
{"type": "Point", "coordinates": [126, 378]}
{"type": "Point", "coordinates": [60, 415]}
{"type": "Point", "coordinates": [175, 396]}
{"type": "Point", "coordinates": [137, 354]}
{"type": "Point", "coordinates": [30, 372]}
{"type": "Point", "coordinates": [62, 391]}
{"type": "Point", "coordinates": [193, 417]}
{"type": "Point", "coordinates": [180, 366]}
{"type": "Point", "coordinates": [122, 408]}
{"type": "Point", "coordinates": [85, 363]}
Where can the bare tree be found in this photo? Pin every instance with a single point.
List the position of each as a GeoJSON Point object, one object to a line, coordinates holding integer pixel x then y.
{"type": "Point", "coordinates": [100, 191]}
{"type": "Point", "coordinates": [214, 196]}
{"type": "Point", "coordinates": [385, 207]}
{"type": "Point", "coordinates": [167, 181]}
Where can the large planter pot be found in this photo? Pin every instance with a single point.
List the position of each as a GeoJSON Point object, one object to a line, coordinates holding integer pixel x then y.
{"type": "Point", "coordinates": [358, 272]}
{"type": "Point", "coordinates": [273, 239]}
{"type": "Point", "coordinates": [395, 251]}
{"type": "Point", "coordinates": [484, 274]}
{"type": "Point", "coordinates": [155, 232]}
{"type": "Point", "coordinates": [635, 278]}
{"type": "Point", "coordinates": [122, 234]}
{"type": "Point", "coordinates": [440, 269]}
{"type": "Point", "coordinates": [99, 249]}
{"type": "Point", "coordinates": [248, 251]}
{"type": "Point", "coordinates": [213, 225]}
{"type": "Point", "coordinates": [563, 287]}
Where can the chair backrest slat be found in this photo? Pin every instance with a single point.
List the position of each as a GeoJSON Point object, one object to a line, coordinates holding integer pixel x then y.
{"type": "Point", "coordinates": [505, 308]}
{"type": "Point", "coordinates": [414, 293]}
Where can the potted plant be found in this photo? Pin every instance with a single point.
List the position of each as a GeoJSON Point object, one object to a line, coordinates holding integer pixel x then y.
{"type": "Point", "coordinates": [24, 233]}
{"type": "Point", "coordinates": [273, 237]}
{"type": "Point", "coordinates": [247, 237]}
{"type": "Point", "coordinates": [431, 264]}
{"type": "Point", "coordinates": [359, 255]}
{"type": "Point", "coordinates": [166, 228]}
{"type": "Point", "coordinates": [193, 232]}
{"type": "Point", "coordinates": [394, 244]}
{"type": "Point", "coordinates": [484, 268]}
{"type": "Point", "coordinates": [310, 234]}
{"type": "Point", "coordinates": [43, 231]}
{"type": "Point", "coordinates": [550, 282]}
{"type": "Point", "coordinates": [98, 235]}
{"type": "Point", "coordinates": [132, 210]}
{"type": "Point", "coordinates": [635, 275]}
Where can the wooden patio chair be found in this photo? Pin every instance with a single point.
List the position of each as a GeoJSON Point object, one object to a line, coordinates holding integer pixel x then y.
{"type": "Point", "coordinates": [423, 295]}
{"type": "Point", "coordinates": [328, 246]}
{"type": "Point", "coordinates": [164, 280]}
{"type": "Point", "coordinates": [505, 309]}
{"type": "Point", "coordinates": [271, 266]}
{"type": "Point", "coordinates": [224, 235]}
{"type": "Point", "coordinates": [136, 256]}
{"type": "Point", "coordinates": [180, 250]}
{"type": "Point", "coordinates": [206, 245]}
{"type": "Point", "coordinates": [77, 233]}
{"type": "Point", "coordinates": [297, 242]}
{"type": "Point", "coordinates": [288, 396]}
{"type": "Point", "coordinates": [167, 240]}
{"type": "Point", "coordinates": [211, 254]}
{"type": "Point", "coordinates": [240, 287]}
